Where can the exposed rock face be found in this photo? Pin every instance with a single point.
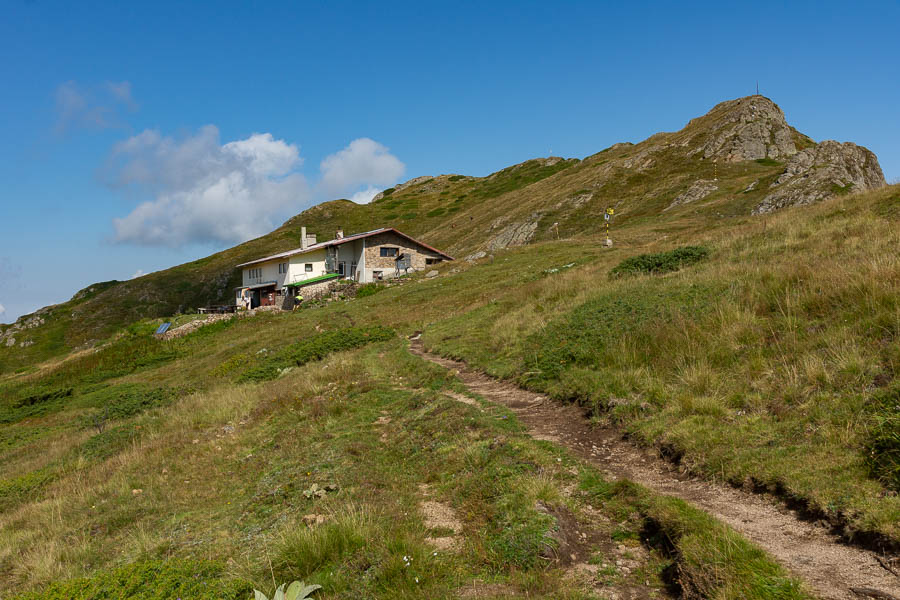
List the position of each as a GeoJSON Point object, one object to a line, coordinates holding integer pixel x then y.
{"type": "Point", "coordinates": [21, 326]}
{"type": "Point", "coordinates": [515, 234]}
{"type": "Point", "coordinates": [701, 189]}
{"type": "Point", "coordinates": [817, 173]}
{"type": "Point", "coordinates": [747, 129]}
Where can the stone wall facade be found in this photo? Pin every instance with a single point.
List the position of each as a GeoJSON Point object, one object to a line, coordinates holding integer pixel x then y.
{"type": "Point", "coordinates": [375, 262]}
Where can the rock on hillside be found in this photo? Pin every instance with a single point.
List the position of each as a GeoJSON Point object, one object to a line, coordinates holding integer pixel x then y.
{"type": "Point", "coordinates": [828, 169]}
{"type": "Point", "coordinates": [401, 186]}
{"type": "Point", "coordinates": [746, 129]}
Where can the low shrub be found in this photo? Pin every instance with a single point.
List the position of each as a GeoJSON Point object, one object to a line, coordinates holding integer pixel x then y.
{"type": "Point", "coordinates": [368, 289]}
{"type": "Point", "coordinates": [581, 337]}
{"type": "Point", "coordinates": [127, 399]}
{"type": "Point", "coordinates": [16, 489]}
{"type": "Point", "coordinates": [41, 395]}
{"type": "Point", "coordinates": [661, 262]}
{"type": "Point", "coordinates": [150, 580]}
{"type": "Point", "coordinates": [883, 442]}
{"type": "Point", "coordinates": [34, 402]}
{"type": "Point", "coordinates": [110, 442]}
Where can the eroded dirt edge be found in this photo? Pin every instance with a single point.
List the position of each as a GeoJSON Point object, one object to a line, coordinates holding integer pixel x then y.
{"type": "Point", "coordinates": [815, 553]}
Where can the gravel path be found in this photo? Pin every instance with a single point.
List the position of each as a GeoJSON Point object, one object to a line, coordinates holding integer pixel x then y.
{"type": "Point", "coordinates": [832, 570]}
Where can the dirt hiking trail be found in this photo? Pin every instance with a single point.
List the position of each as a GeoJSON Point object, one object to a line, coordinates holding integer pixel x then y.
{"type": "Point", "coordinates": [832, 570]}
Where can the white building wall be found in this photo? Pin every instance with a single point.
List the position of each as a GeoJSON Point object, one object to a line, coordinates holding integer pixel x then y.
{"type": "Point", "coordinates": [268, 272]}
{"type": "Point", "coordinates": [297, 270]}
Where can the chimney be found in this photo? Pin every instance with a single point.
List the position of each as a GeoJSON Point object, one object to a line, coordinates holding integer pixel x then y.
{"type": "Point", "coordinates": [303, 243]}
{"type": "Point", "coordinates": [310, 239]}
{"type": "Point", "coordinates": [340, 234]}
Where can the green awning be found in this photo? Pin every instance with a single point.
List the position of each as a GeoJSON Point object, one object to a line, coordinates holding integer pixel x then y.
{"type": "Point", "coordinates": [318, 279]}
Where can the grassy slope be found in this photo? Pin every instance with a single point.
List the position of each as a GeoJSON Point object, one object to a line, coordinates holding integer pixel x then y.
{"type": "Point", "coordinates": [208, 491]}
{"type": "Point", "coordinates": [456, 213]}
{"type": "Point", "coordinates": [778, 341]}
{"type": "Point", "coordinates": [758, 366]}
{"type": "Point", "coordinates": [234, 497]}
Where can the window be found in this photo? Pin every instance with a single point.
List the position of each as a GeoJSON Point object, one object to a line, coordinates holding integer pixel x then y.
{"type": "Point", "coordinates": [433, 261]}
{"type": "Point", "coordinates": [308, 267]}
{"type": "Point", "coordinates": [377, 275]}
{"type": "Point", "coordinates": [282, 268]}
{"type": "Point", "coordinates": [342, 267]}
{"type": "Point", "coordinates": [391, 252]}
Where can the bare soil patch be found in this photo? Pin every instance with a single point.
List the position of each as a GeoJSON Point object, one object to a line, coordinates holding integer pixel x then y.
{"type": "Point", "coordinates": [832, 569]}
{"type": "Point", "coordinates": [440, 517]}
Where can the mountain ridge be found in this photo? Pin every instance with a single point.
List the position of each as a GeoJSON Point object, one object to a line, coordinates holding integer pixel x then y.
{"type": "Point", "coordinates": [741, 158]}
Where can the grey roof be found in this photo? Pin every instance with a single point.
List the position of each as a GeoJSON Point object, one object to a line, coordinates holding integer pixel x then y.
{"type": "Point", "coordinates": [338, 242]}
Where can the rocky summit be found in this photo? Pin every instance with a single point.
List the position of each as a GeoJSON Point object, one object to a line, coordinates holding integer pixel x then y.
{"type": "Point", "coordinates": [749, 128]}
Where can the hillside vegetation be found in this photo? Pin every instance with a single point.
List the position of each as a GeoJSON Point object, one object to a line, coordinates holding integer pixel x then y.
{"type": "Point", "coordinates": [757, 350]}
{"type": "Point", "coordinates": [719, 166]}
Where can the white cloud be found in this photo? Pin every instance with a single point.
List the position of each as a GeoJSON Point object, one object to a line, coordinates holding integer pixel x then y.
{"type": "Point", "coordinates": [2, 309]}
{"type": "Point", "coordinates": [363, 162]}
{"type": "Point", "coordinates": [122, 93]}
{"type": "Point", "coordinates": [205, 191]}
{"type": "Point", "coordinates": [138, 273]}
{"type": "Point", "coordinates": [365, 196]}
{"type": "Point", "coordinates": [92, 107]}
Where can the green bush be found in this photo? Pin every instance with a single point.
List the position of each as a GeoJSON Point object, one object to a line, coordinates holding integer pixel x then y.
{"type": "Point", "coordinates": [150, 580]}
{"type": "Point", "coordinates": [41, 395]}
{"type": "Point", "coordinates": [33, 402]}
{"type": "Point", "coordinates": [316, 347]}
{"type": "Point", "coordinates": [16, 489]}
{"type": "Point", "coordinates": [368, 289]}
{"type": "Point", "coordinates": [883, 443]}
{"type": "Point", "coordinates": [110, 442]}
{"type": "Point", "coordinates": [661, 262]}
{"type": "Point", "coordinates": [581, 337]}
{"type": "Point", "coordinates": [126, 399]}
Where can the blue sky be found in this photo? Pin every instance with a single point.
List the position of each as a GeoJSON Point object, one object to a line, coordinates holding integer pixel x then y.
{"type": "Point", "coordinates": [137, 136]}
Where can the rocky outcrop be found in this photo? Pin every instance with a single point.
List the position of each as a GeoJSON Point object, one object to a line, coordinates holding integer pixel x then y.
{"type": "Point", "coordinates": [12, 335]}
{"type": "Point", "coordinates": [516, 234]}
{"type": "Point", "coordinates": [828, 169]}
{"type": "Point", "coordinates": [746, 129]}
{"type": "Point", "coordinates": [701, 189]}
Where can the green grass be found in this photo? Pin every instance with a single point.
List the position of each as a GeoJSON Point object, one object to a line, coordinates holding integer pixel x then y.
{"type": "Point", "coordinates": [376, 427]}
{"type": "Point", "coordinates": [661, 262]}
{"type": "Point", "coordinates": [769, 362]}
{"type": "Point", "coordinates": [313, 348]}
{"type": "Point", "coordinates": [150, 580]}
{"type": "Point", "coordinates": [883, 441]}
{"type": "Point", "coordinates": [711, 560]}
{"type": "Point", "coordinates": [517, 177]}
